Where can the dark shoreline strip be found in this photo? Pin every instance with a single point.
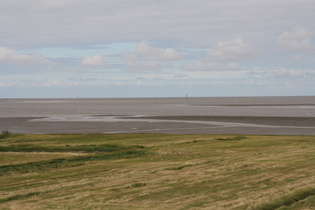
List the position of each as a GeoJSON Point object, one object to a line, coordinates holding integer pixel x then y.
{"type": "Point", "coordinates": [278, 121]}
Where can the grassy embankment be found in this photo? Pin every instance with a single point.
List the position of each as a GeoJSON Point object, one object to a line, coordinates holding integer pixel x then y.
{"type": "Point", "coordinates": [157, 171]}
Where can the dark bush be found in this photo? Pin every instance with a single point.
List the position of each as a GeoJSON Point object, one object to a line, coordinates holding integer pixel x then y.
{"type": "Point", "coordinates": [4, 134]}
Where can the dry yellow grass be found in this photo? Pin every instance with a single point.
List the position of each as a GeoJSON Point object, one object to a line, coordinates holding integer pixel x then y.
{"type": "Point", "coordinates": [177, 171]}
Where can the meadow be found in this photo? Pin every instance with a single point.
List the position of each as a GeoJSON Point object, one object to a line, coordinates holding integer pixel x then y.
{"type": "Point", "coordinates": [156, 171]}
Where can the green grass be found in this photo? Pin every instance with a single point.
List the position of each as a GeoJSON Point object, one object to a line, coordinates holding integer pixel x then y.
{"type": "Point", "coordinates": [18, 197]}
{"type": "Point", "coordinates": [235, 138]}
{"type": "Point", "coordinates": [66, 148]}
{"type": "Point", "coordinates": [99, 152]}
{"type": "Point", "coordinates": [179, 167]}
{"type": "Point", "coordinates": [157, 171]}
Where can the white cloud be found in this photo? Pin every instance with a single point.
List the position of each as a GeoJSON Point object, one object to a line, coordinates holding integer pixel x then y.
{"type": "Point", "coordinates": [94, 60]}
{"type": "Point", "coordinates": [192, 23]}
{"type": "Point", "coordinates": [156, 54]}
{"type": "Point", "coordinates": [231, 51]}
{"type": "Point", "coordinates": [134, 63]}
{"type": "Point", "coordinates": [287, 73]}
{"type": "Point", "coordinates": [224, 56]}
{"type": "Point", "coordinates": [202, 66]}
{"type": "Point", "coordinates": [181, 35]}
{"type": "Point", "coordinates": [9, 56]}
{"type": "Point", "coordinates": [205, 65]}
{"type": "Point", "coordinates": [53, 83]}
{"type": "Point", "coordinates": [7, 84]}
{"type": "Point", "coordinates": [185, 21]}
{"type": "Point", "coordinates": [298, 39]}
{"type": "Point", "coordinates": [150, 58]}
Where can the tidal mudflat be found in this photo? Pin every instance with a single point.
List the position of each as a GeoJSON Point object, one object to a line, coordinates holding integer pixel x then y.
{"type": "Point", "coordinates": [231, 115]}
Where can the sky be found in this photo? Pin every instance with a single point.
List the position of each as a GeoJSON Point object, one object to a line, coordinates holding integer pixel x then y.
{"type": "Point", "coordinates": [156, 48]}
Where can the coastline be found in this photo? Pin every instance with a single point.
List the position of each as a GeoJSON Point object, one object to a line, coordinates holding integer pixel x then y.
{"type": "Point", "coordinates": [163, 124]}
{"type": "Point", "coordinates": [285, 115]}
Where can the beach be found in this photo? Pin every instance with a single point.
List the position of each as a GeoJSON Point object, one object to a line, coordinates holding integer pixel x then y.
{"type": "Point", "coordinates": [167, 124]}
{"type": "Point", "coordinates": [235, 115]}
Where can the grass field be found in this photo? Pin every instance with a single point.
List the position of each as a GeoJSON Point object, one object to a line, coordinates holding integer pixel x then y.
{"type": "Point", "coordinates": [157, 171]}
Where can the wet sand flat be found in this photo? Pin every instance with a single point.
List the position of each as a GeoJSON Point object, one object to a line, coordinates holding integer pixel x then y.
{"type": "Point", "coordinates": [165, 124]}
{"type": "Point", "coordinates": [280, 121]}
{"type": "Point", "coordinates": [209, 115]}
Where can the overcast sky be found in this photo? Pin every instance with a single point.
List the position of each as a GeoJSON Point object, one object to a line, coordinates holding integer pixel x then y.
{"type": "Point", "coordinates": [156, 48]}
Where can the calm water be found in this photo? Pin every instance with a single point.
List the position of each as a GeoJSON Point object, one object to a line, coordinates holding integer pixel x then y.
{"type": "Point", "coordinates": [216, 106]}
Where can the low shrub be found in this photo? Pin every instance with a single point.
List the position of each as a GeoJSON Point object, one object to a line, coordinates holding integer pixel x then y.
{"type": "Point", "coordinates": [236, 138]}
{"type": "Point", "coordinates": [4, 134]}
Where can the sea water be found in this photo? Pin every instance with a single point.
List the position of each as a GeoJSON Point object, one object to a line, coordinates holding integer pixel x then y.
{"type": "Point", "coordinates": [300, 106]}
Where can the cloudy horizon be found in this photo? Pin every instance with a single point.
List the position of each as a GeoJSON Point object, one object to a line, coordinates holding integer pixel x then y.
{"type": "Point", "coordinates": [140, 48]}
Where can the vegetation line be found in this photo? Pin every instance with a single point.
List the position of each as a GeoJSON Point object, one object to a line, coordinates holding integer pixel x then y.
{"type": "Point", "coordinates": [18, 197]}
{"type": "Point", "coordinates": [130, 152]}
{"type": "Point", "coordinates": [66, 148]}
{"type": "Point", "coordinates": [236, 138]}
{"type": "Point", "coordinates": [179, 167]}
{"type": "Point", "coordinates": [286, 200]}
